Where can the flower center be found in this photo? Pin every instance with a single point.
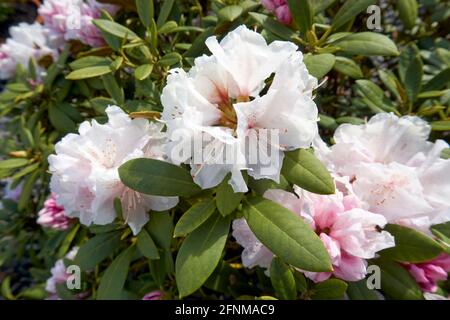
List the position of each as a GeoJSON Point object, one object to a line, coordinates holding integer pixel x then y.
{"type": "Point", "coordinates": [228, 114]}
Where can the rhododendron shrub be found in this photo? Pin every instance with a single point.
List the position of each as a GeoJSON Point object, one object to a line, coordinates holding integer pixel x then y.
{"type": "Point", "coordinates": [155, 150]}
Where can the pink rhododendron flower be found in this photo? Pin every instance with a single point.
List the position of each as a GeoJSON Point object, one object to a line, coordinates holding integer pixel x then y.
{"type": "Point", "coordinates": [280, 9]}
{"type": "Point", "coordinates": [154, 295]}
{"type": "Point", "coordinates": [53, 215]}
{"type": "Point", "coordinates": [72, 19]}
{"type": "Point", "coordinates": [26, 41]}
{"type": "Point", "coordinates": [348, 232]}
{"type": "Point", "coordinates": [427, 274]}
{"type": "Point", "coordinates": [85, 169]}
{"type": "Point", "coordinates": [393, 168]}
{"type": "Point", "coordinates": [59, 274]}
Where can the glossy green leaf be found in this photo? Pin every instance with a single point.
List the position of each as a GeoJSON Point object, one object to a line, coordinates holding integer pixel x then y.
{"type": "Point", "coordinates": [367, 44]}
{"type": "Point", "coordinates": [143, 71]}
{"type": "Point", "coordinates": [358, 290]}
{"type": "Point", "coordinates": [282, 280]}
{"type": "Point", "coordinates": [113, 280]}
{"type": "Point", "coordinates": [115, 29]}
{"type": "Point", "coordinates": [200, 253]}
{"type": "Point", "coordinates": [226, 199]}
{"type": "Point", "coordinates": [146, 245]}
{"type": "Point", "coordinates": [329, 289]}
{"type": "Point", "coordinates": [89, 72]}
{"type": "Point", "coordinates": [302, 168]}
{"type": "Point", "coordinates": [194, 217]}
{"type": "Point", "coordinates": [157, 178]}
{"type": "Point", "coordinates": [319, 64]}
{"type": "Point", "coordinates": [96, 249]}
{"type": "Point", "coordinates": [347, 67]}
{"type": "Point", "coordinates": [286, 235]}
{"type": "Point", "coordinates": [230, 13]}
{"type": "Point", "coordinates": [408, 11]}
{"type": "Point", "coordinates": [303, 13]}
{"type": "Point", "coordinates": [145, 10]}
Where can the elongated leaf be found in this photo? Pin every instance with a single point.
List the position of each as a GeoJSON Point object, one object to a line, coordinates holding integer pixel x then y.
{"type": "Point", "coordinates": [347, 67]}
{"type": "Point", "coordinates": [272, 25]}
{"type": "Point", "coordinates": [113, 280]}
{"type": "Point", "coordinates": [164, 12]}
{"type": "Point", "coordinates": [349, 10]}
{"type": "Point", "coordinates": [408, 11]}
{"type": "Point", "coordinates": [157, 178]}
{"type": "Point", "coordinates": [160, 229]}
{"type": "Point", "coordinates": [230, 13]}
{"type": "Point", "coordinates": [113, 88]}
{"type": "Point", "coordinates": [170, 59]}
{"type": "Point", "coordinates": [143, 71]}
{"type": "Point", "coordinates": [96, 249]}
{"type": "Point", "coordinates": [319, 64]}
{"type": "Point", "coordinates": [226, 199]}
{"type": "Point", "coordinates": [411, 245]}
{"type": "Point", "coordinates": [89, 61]}
{"type": "Point", "coordinates": [375, 95]}
{"type": "Point", "coordinates": [194, 217]}
{"type": "Point", "coordinates": [367, 44]}
{"type": "Point", "coordinates": [302, 168]}
{"type": "Point", "coordinates": [13, 163]}
{"type": "Point", "coordinates": [329, 289]}
{"type": "Point", "coordinates": [145, 10]}
{"type": "Point", "coordinates": [302, 13]}
{"type": "Point", "coordinates": [438, 81]}
{"type": "Point", "coordinates": [89, 72]}
{"type": "Point", "coordinates": [396, 282]}
{"type": "Point", "coordinates": [146, 245]}
{"type": "Point", "coordinates": [200, 254]}
{"type": "Point", "coordinates": [115, 29]}
{"type": "Point", "coordinates": [286, 235]}
{"type": "Point", "coordinates": [443, 125]}
{"type": "Point", "coordinates": [358, 290]}
{"type": "Point", "coordinates": [282, 280]}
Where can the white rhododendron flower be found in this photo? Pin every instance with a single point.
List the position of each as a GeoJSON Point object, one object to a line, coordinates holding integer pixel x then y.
{"type": "Point", "coordinates": [393, 168]}
{"type": "Point", "coordinates": [85, 169]}
{"type": "Point", "coordinates": [26, 41]}
{"type": "Point", "coordinates": [249, 101]}
{"type": "Point", "coordinates": [348, 231]}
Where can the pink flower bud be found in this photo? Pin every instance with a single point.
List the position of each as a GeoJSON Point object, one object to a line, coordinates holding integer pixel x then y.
{"type": "Point", "coordinates": [427, 274]}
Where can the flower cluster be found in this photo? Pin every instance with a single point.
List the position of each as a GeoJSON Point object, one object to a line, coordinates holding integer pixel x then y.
{"type": "Point", "coordinates": [63, 20]}
{"type": "Point", "coordinates": [239, 93]}
{"type": "Point", "coordinates": [72, 20]}
{"type": "Point", "coordinates": [393, 168]}
{"type": "Point", "coordinates": [27, 41]}
{"type": "Point", "coordinates": [85, 175]}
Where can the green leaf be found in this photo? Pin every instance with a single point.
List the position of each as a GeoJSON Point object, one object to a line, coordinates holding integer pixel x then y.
{"type": "Point", "coordinates": [200, 254]}
{"type": "Point", "coordinates": [349, 10]}
{"type": "Point", "coordinates": [303, 13]}
{"type": "Point", "coordinates": [60, 120]}
{"type": "Point", "coordinates": [96, 249]}
{"type": "Point", "coordinates": [55, 69]}
{"type": "Point", "coordinates": [272, 25]}
{"type": "Point", "coordinates": [164, 12]}
{"type": "Point", "coordinates": [286, 235]}
{"type": "Point", "coordinates": [143, 71]}
{"type": "Point", "coordinates": [157, 178]}
{"type": "Point", "coordinates": [146, 245]}
{"type": "Point", "coordinates": [438, 81]}
{"type": "Point", "coordinates": [410, 245]}
{"type": "Point", "coordinates": [396, 282]}
{"type": "Point", "coordinates": [13, 163]}
{"type": "Point", "coordinates": [367, 44]}
{"type": "Point", "coordinates": [358, 290]}
{"type": "Point", "coordinates": [160, 229]}
{"type": "Point", "coordinates": [194, 217]}
{"type": "Point", "coordinates": [170, 59]}
{"type": "Point", "coordinates": [319, 64]}
{"type": "Point", "coordinates": [347, 67]}
{"type": "Point", "coordinates": [329, 289]}
{"type": "Point", "coordinates": [443, 125]}
{"type": "Point", "coordinates": [445, 153]}
{"type": "Point", "coordinates": [408, 11]}
{"type": "Point", "coordinates": [115, 29]}
{"type": "Point", "coordinates": [302, 168]}
{"type": "Point", "coordinates": [375, 95]}
{"type": "Point", "coordinates": [89, 61]}
{"type": "Point", "coordinates": [27, 190]}
{"type": "Point", "coordinates": [391, 82]}
{"type": "Point", "coordinates": [412, 72]}
{"type": "Point", "coordinates": [145, 11]}
{"type": "Point", "coordinates": [113, 280]}
{"type": "Point", "coordinates": [442, 229]}
{"type": "Point", "coordinates": [113, 88]}
{"type": "Point", "coordinates": [89, 72]}
{"type": "Point", "coordinates": [227, 200]}
{"type": "Point", "coordinates": [229, 13]}
{"type": "Point", "coordinates": [282, 280]}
